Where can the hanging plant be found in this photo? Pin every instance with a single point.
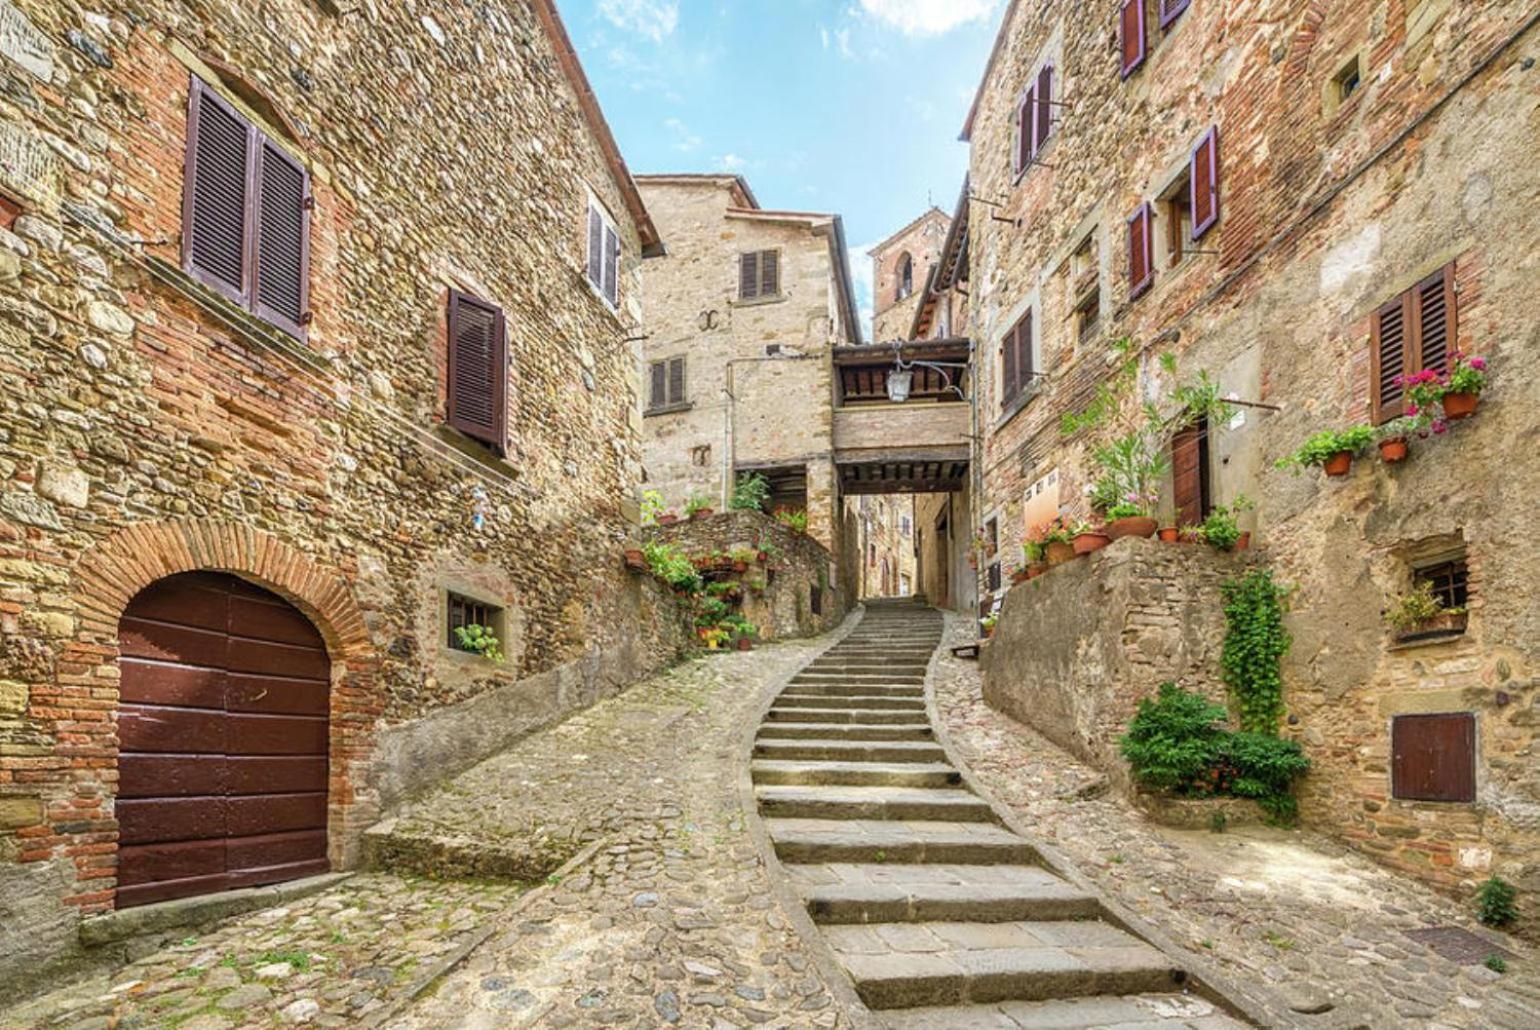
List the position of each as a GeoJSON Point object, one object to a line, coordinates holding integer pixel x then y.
{"type": "Point", "coordinates": [1255, 643]}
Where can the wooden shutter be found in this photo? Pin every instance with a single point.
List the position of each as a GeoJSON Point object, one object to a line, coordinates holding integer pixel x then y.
{"type": "Point", "coordinates": [1387, 359]}
{"type": "Point", "coordinates": [657, 395]}
{"type": "Point", "coordinates": [1131, 28]}
{"type": "Point", "coordinates": [1433, 757]}
{"type": "Point", "coordinates": [1022, 151]}
{"type": "Point", "coordinates": [1141, 263]}
{"type": "Point", "coordinates": [595, 246]}
{"type": "Point", "coordinates": [1415, 331]}
{"type": "Point", "coordinates": [1042, 124]}
{"type": "Point", "coordinates": [1170, 10]}
{"type": "Point", "coordinates": [1204, 183]}
{"type": "Point", "coordinates": [1189, 473]}
{"type": "Point", "coordinates": [1008, 376]}
{"type": "Point", "coordinates": [1433, 308]}
{"type": "Point", "coordinates": [676, 380]}
{"type": "Point", "coordinates": [769, 273]}
{"type": "Point", "coordinates": [217, 192]}
{"type": "Point", "coordinates": [611, 285]}
{"type": "Point", "coordinates": [748, 276]}
{"type": "Point", "coordinates": [282, 259]}
{"type": "Point", "coordinates": [478, 377]}
{"type": "Point", "coordinates": [1024, 352]}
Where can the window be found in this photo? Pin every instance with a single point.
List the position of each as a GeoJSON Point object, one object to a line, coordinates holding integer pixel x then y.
{"type": "Point", "coordinates": [759, 275]}
{"type": "Point", "coordinates": [904, 526]}
{"type": "Point", "coordinates": [1450, 582]}
{"type": "Point", "coordinates": [1433, 757]}
{"type": "Point", "coordinates": [1016, 360]}
{"type": "Point", "coordinates": [463, 611]}
{"type": "Point", "coordinates": [245, 214]}
{"type": "Point", "coordinates": [815, 598]}
{"type": "Point", "coordinates": [665, 384]}
{"type": "Point", "coordinates": [1141, 252]}
{"type": "Point", "coordinates": [1204, 175]}
{"type": "Point", "coordinates": [1346, 82]}
{"type": "Point", "coordinates": [905, 277]}
{"type": "Point", "coordinates": [1413, 332]}
{"type": "Point", "coordinates": [700, 455]}
{"type": "Point", "coordinates": [1131, 35]}
{"type": "Point", "coordinates": [1171, 10]}
{"type": "Point", "coordinates": [1042, 113]}
{"type": "Point", "coordinates": [1176, 214]}
{"type": "Point", "coordinates": [603, 264]}
{"type": "Point", "coordinates": [1088, 312]}
{"type": "Point", "coordinates": [1190, 473]}
{"type": "Point", "coordinates": [478, 370]}
{"type": "Point", "coordinates": [1034, 120]}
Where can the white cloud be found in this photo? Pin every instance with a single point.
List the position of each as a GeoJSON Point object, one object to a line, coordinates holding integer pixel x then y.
{"type": "Point", "coordinates": [731, 163]}
{"type": "Point", "coordinates": [651, 18]}
{"type": "Point", "coordinates": [927, 17]}
{"type": "Point", "coordinates": [684, 139]}
{"type": "Point", "coordinates": [861, 278]}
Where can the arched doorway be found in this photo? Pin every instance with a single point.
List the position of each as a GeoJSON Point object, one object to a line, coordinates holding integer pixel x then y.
{"type": "Point", "coordinates": [223, 731]}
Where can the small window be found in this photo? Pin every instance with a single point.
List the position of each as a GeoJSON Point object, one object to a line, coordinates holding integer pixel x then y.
{"type": "Point", "coordinates": [992, 554]}
{"type": "Point", "coordinates": [603, 265]}
{"type": "Point", "coordinates": [666, 385]}
{"type": "Point", "coordinates": [1433, 757]}
{"type": "Point", "coordinates": [1449, 580]}
{"type": "Point", "coordinates": [700, 455]}
{"type": "Point", "coordinates": [1176, 219]}
{"type": "Point", "coordinates": [759, 275]}
{"type": "Point", "coordinates": [1088, 313]}
{"type": "Point", "coordinates": [905, 277]}
{"type": "Point", "coordinates": [1347, 81]}
{"type": "Point", "coordinates": [462, 612]}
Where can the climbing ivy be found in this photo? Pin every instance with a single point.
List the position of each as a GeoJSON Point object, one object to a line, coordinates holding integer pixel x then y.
{"type": "Point", "coordinates": [1255, 642]}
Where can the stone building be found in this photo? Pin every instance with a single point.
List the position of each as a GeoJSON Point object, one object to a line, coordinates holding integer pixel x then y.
{"type": "Point", "coordinates": [901, 265]}
{"type": "Point", "coordinates": [886, 543]}
{"type": "Point", "coordinates": [307, 360]}
{"type": "Point", "coordinates": [1295, 200]}
{"type": "Point", "coordinates": [742, 317]}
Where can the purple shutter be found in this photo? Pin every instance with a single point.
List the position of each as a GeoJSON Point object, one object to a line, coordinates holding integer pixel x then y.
{"type": "Point", "coordinates": [1141, 263]}
{"type": "Point", "coordinates": [1131, 30]}
{"type": "Point", "coordinates": [1008, 377]}
{"type": "Point", "coordinates": [1025, 112]}
{"type": "Point", "coordinates": [1170, 10]}
{"type": "Point", "coordinates": [216, 207]}
{"type": "Point", "coordinates": [1042, 124]}
{"type": "Point", "coordinates": [281, 260]}
{"type": "Point", "coordinates": [595, 247]}
{"type": "Point", "coordinates": [1204, 182]}
{"type": "Point", "coordinates": [478, 369]}
{"type": "Point", "coordinates": [1024, 352]}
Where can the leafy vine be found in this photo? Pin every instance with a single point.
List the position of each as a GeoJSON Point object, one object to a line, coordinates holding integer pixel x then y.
{"type": "Point", "coordinates": [1255, 643]}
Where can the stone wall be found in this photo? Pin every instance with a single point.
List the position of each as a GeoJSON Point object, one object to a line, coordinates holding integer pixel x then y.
{"type": "Point", "coordinates": [1077, 648]}
{"type": "Point", "coordinates": [1328, 210]}
{"type": "Point", "coordinates": [921, 240]}
{"type": "Point", "coordinates": [798, 566]}
{"type": "Point", "coordinates": [149, 427]}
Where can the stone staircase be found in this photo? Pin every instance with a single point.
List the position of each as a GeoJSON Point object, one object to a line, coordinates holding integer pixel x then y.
{"type": "Point", "coordinates": [940, 915]}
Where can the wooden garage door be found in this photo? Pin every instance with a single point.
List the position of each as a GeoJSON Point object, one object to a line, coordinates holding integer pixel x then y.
{"type": "Point", "coordinates": [222, 731]}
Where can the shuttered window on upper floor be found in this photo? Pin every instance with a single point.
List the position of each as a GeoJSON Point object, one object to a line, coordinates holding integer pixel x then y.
{"type": "Point", "coordinates": [1171, 10]}
{"type": "Point", "coordinates": [245, 214]}
{"type": "Point", "coordinates": [1131, 35]}
{"type": "Point", "coordinates": [1413, 332]}
{"type": "Point", "coordinates": [1141, 252]}
{"type": "Point", "coordinates": [478, 370]}
{"type": "Point", "coordinates": [1042, 110]}
{"type": "Point", "coordinates": [603, 265]}
{"type": "Point", "coordinates": [759, 275]}
{"type": "Point", "coordinates": [1034, 120]}
{"type": "Point", "coordinates": [666, 383]}
{"type": "Point", "coordinates": [1204, 183]}
{"type": "Point", "coordinates": [1016, 360]}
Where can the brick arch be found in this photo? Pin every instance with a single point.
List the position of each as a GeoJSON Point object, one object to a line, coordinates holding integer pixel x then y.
{"type": "Point", "coordinates": [111, 573]}
{"type": "Point", "coordinates": [1302, 45]}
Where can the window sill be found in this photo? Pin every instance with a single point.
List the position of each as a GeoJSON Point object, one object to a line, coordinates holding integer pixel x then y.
{"type": "Point", "coordinates": [1017, 406]}
{"type": "Point", "coordinates": [478, 451]}
{"type": "Point", "coordinates": [668, 409]}
{"type": "Point", "coordinates": [757, 301]}
{"type": "Point", "coordinates": [1433, 639]}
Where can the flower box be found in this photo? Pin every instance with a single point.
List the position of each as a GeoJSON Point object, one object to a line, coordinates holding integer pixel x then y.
{"type": "Point", "coordinates": [1445, 624]}
{"type": "Point", "coordinates": [1131, 525]}
{"type": "Point", "coordinates": [1085, 543]}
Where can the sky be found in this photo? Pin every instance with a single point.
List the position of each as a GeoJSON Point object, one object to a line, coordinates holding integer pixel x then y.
{"type": "Point", "coordinates": [846, 106]}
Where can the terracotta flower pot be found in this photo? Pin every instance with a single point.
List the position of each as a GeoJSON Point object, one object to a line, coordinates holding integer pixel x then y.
{"type": "Point", "coordinates": [1170, 534]}
{"type": "Point", "coordinates": [1393, 450]}
{"type": "Point", "coordinates": [1339, 464]}
{"type": "Point", "coordinates": [1036, 569]}
{"type": "Point", "coordinates": [740, 566]}
{"type": "Point", "coordinates": [636, 561]}
{"type": "Point", "coordinates": [1460, 405]}
{"type": "Point", "coordinates": [745, 644]}
{"type": "Point", "coordinates": [703, 513]}
{"type": "Point", "coordinates": [1133, 525]}
{"type": "Point", "coordinates": [667, 520]}
{"type": "Point", "coordinates": [1243, 542]}
{"type": "Point", "coordinates": [762, 557]}
{"type": "Point", "coordinates": [1085, 543]}
{"type": "Point", "coordinates": [1020, 576]}
{"type": "Point", "coordinates": [1060, 552]}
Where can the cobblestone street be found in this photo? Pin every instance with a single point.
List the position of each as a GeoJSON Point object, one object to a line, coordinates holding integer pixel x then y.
{"type": "Point", "coordinates": [1284, 909]}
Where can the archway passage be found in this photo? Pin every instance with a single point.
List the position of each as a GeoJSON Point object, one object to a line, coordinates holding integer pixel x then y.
{"type": "Point", "coordinates": [223, 730]}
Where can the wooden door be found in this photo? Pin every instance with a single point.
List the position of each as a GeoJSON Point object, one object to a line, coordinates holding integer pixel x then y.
{"type": "Point", "coordinates": [223, 730]}
{"type": "Point", "coordinates": [1190, 474]}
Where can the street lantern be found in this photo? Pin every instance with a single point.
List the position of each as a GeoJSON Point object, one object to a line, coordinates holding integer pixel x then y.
{"type": "Point", "coordinates": [899, 382]}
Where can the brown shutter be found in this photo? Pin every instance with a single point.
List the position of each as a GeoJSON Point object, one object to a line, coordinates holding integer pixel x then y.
{"type": "Point", "coordinates": [1042, 125]}
{"type": "Point", "coordinates": [595, 247]}
{"type": "Point", "coordinates": [658, 395]}
{"type": "Point", "coordinates": [1433, 306]}
{"type": "Point", "coordinates": [676, 381]}
{"type": "Point", "coordinates": [1024, 114]}
{"type": "Point", "coordinates": [282, 259]}
{"type": "Point", "coordinates": [1008, 377]}
{"type": "Point", "coordinates": [1024, 352]}
{"type": "Point", "coordinates": [611, 285]}
{"type": "Point", "coordinates": [216, 203]}
{"type": "Point", "coordinates": [1389, 334]}
{"type": "Point", "coordinates": [1433, 757]}
{"type": "Point", "coordinates": [769, 273]}
{"type": "Point", "coordinates": [748, 276]}
{"type": "Point", "coordinates": [1187, 475]}
{"type": "Point", "coordinates": [1131, 30]}
{"type": "Point", "coordinates": [478, 375]}
{"type": "Point", "coordinates": [1141, 265]}
{"type": "Point", "coordinates": [1204, 183]}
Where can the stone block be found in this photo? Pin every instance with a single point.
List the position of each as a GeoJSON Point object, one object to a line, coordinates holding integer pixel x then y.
{"type": "Point", "coordinates": [13, 698]}
{"type": "Point", "coordinates": [16, 813]}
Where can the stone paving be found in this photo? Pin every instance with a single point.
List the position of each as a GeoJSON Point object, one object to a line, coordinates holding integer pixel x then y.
{"type": "Point", "coordinates": [1287, 910]}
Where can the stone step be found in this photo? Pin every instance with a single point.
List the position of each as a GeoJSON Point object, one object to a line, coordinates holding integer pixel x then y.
{"type": "Point", "coordinates": [864, 653]}
{"type": "Point", "coordinates": [844, 679]}
{"type": "Point", "coordinates": [842, 688]}
{"type": "Point", "coordinates": [845, 731]}
{"type": "Point", "coordinates": [887, 642]}
{"type": "Point", "coordinates": [903, 980]}
{"type": "Point", "coordinates": [857, 774]}
{"type": "Point", "coordinates": [789, 711]}
{"type": "Point", "coordinates": [907, 841]}
{"type": "Point", "coordinates": [800, 700]}
{"type": "Point", "coordinates": [894, 803]}
{"type": "Point", "coordinates": [1122, 1012]}
{"type": "Point", "coordinates": [851, 750]}
{"type": "Point", "coordinates": [890, 892]}
{"type": "Point", "coordinates": [868, 665]}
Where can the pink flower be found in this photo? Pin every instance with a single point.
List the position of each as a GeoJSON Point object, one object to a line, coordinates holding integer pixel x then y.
{"type": "Point", "coordinates": [1479, 364]}
{"type": "Point", "coordinates": [1412, 409]}
{"type": "Point", "coordinates": [1440, 426]}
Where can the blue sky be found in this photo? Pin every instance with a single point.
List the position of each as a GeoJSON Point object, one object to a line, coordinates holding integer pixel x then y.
{"type": "Point", "coordinates": [849, 106]}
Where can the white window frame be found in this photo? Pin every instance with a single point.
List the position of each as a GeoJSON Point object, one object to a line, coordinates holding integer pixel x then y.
{"type": "Point", "coordinates": [611, 295]}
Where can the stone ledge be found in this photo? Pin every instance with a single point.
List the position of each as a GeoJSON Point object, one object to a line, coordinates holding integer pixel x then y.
{"type": "Point", "coordinates": [188, 912]}
{"type": "Point", "coordinates": [1198, 813]}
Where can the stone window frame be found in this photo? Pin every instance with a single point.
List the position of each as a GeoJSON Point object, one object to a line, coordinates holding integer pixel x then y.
{"type": "Point", "coordinates": [1051, 56]}
{"type": "Point", "coordinates": [1008, 408]}
{"type": "Point", "coordinates": [1176, 193]}
{"type": "Point", "coordinates": [1427, 553]}
{"type": "Point", "coordinates": [593, 203]}
{"type": "Point", "coordinates": [779, 296]}
{"type": "Point", "coordinates": [454, 588]}
{"type": "Point", "coordinates": [1333, 103]}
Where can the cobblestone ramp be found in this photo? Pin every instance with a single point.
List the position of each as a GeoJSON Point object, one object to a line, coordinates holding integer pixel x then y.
{"type": "Point", "coordinates": [939, 914]}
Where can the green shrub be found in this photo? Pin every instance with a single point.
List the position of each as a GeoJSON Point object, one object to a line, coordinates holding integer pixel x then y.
{"type": "Point", "coordinates": [1174, 739]}
{"type": "Point", "coordinates": [670, 564]}
{"type": "Point", "coordinates": [751, 493]}
{"type": "Point", "coordinates": [1264, 767]}
{"type": "Point", "coordinates": [1495, 903]}
{"type": "Point", "coordinates": [1255, 643]}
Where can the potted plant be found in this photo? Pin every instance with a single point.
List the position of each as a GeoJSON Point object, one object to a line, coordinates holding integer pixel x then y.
{"type": "Point", "coordinates": [1130, 517]}
{"type": "Point", "coordinates": [1056, 541]}
{"type": "Point", "coordinates": [1088, 538]}
{"type": "Point", "coordinates": [697, 507]}
{"type": "Point", "coordinates": [794, 519]}
{"type": "Point", "coordinates": [1035, 554]}
{"type": "Point", "coordinates": [1395, 435]}
{"type": "Point", "coordinates": [741, 558]}
{"type": "Point", "coordinates": [668, 518]}
{"type": "Point", "coordinates": [712, 637]}
{"type": "Point", "coordinates": [636, 559]}
{"type": "Point", "coordinates": [479, 640]}
{"type": "Point", "coordinates": [1170, 534]}
{"type": "Point", "coordinates": [652, 507]}
{"type": "Point", "coordinates": [671, 565]}
{"type": "Point", "coordinates": [1221, 529]}
{"type": "Point", "coordinates": [1456, 392]}
{"type": "Point", "coordinates": [1330, 450]}
{"type": "Point", "coordinates": [988, 623]}
{"type": "Point", "coordinates": [750, 493]}
{"type": "Point", "coordinates": [1419, 614]}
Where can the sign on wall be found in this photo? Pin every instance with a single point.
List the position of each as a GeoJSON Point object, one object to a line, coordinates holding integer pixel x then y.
{"type": "Point", "coordinates": [29, 170]}
{"type": "Point", "coordinates": [1041, 501]}
{"type": "Point", "coordinates": [23, 43]}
